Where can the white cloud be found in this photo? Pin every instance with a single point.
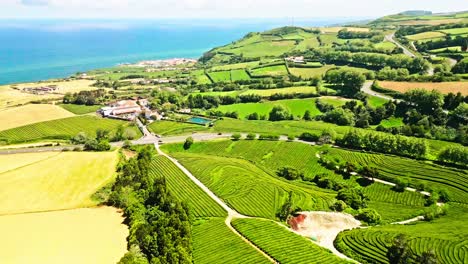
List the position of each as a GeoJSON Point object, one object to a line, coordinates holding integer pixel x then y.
{"type": "Point", "coordinates": [218, 8]}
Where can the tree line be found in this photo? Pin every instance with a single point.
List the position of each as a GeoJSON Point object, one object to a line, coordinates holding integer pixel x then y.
{"type": "Point", "coordinates": [160, 228]}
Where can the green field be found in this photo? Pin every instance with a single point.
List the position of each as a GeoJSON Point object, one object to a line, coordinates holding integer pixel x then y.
{"type": "Point", "coordinates": [455, 31]}
{"type": "Point", "coordinates": [239, 75]}
{"type": "Point", "coordinates": [164, 127]}
{"type": "Point", "coordinates": [221, 76]}
{"type": "Point", "coordinates": [242, 65]}
{"type": "Point", "coordinates": [80, 109]}
{"type": "Point", "coordinates": [263, 49]}
{"type": "Point", "coordinates": [450, 49]}
{"type": "Point", "coordinates": [277, 70]}
{"type": "Point", "coordinates": [65, 128]}
{"type": "Point", "coordinates": [297, 107]}
{"type": "Point", "coordinates": [310, 72]}
{"type": "Point", "coordinates": [283, 245]}
{"type": "Point", "coordinates": [392, 122]}
{"type": "Point", "coordinates": [447, 236]}
{"type": "Point", "coordinates": [213, 242]}
{"type": "Point", "coordinates": [184, 189]}
{"type": "Point", "coordinates": [425, 35]}
{"type": "Point", "coordinates": [375, 101]}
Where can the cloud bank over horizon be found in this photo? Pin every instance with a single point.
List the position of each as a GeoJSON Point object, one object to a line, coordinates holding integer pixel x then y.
{"type": "Point", "coordinates": [218, 9]}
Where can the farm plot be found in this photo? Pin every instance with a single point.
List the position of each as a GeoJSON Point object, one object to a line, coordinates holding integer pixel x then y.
{"type": "Point", "coordinates": [425, 35]}
{"type": "Point", "coordinates": [277, 70]}
{"type": "Point", "coordinates": [62, 129]}
{"type": "Point", "coordinates": [80, 109]}
{"type": "Point", "coordinates": [87, 235]}
{"type": "Point", "coordinates": [239, 75]}
{"type": "Point", "coordinates": [59, 181]}
{"type": "Point", "coordinates": [213, 242]}
{"type": "Point", "coordinates": [297, 107]}
{"type": "Point", "coordinates": [29, 114]}
{"type": "Point", "coordinates": [433, 176]}
{"type": "Point", "coordinates": [12, 95]}
{"type": "Point", "coordinates": [289, 90]}
{"type": "Point", "coordinates": [221, 76]}
{"type": "Point", "coordinates": [445, 235]}
{"type": "Point", "coordinates": [455, 31]}
{"type": "Point", "coordinates": [281, 244]}
{"type": "Point", "coordinates": [248, 189]}
{"type": "Point", "coordinates": [394, 206]}
{"type": "Point", "coordinates": [443, 87]}
{"type": "Point", "coordinates": [235, 66]}
{"type": "Point", "coordinates": [184, 189]}
{"type": "Point", "coordinates": [165, 127]}
{"type": "Point", "coordinates": [310, 72]}
{"type": "Point", "coordinates": [263, 49]}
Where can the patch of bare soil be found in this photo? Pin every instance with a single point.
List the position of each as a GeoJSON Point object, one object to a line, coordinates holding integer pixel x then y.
{"type": "Point", "coordinates": [323, 227]}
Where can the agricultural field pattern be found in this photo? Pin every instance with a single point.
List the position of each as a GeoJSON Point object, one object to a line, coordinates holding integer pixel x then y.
{"type": "Point", "coordinates": [339, 144]}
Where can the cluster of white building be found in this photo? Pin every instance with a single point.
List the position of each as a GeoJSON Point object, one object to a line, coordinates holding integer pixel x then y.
{"type": "Point", "coordinates": [129, 110]}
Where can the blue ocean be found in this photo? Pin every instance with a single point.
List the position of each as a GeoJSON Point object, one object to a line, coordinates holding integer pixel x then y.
{"type": "Point", "coordinates": [32, 50]}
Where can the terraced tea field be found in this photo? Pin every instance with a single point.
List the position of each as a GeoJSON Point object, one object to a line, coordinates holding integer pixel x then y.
{"type": "Point", "coordinates": [65, 128]}
{"type": "Point", "coordinates": [281, 244]}
{"type": "Point", "coordinates": [433, 176]}
{"type": "Point", "coordinates": [446, 236]}
{"type": "Point", "coordinates": [184, 189]}
{"type": "Point", "coordinates": [248, 189]}
{"type": "Point", "coordinates": [212, 235]}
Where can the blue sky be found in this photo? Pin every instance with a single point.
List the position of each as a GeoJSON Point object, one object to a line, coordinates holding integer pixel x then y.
{"type": "Point", "coordinates": [218, 8]}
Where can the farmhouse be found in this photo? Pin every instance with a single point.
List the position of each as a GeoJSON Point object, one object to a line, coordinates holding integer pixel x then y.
{"type": "Point", "coordinates": [125, 109]}
{"type": "Point", "coordinates": [299, 59]}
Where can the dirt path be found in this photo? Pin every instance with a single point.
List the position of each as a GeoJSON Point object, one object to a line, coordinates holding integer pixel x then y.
{"type": "Point", "coordinates": [232, 214]}
{"type": "Point", "coordinates": [366, 88]}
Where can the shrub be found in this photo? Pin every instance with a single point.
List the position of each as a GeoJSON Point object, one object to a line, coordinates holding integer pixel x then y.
{"type": "Point", "coordinates": [338, 206]}
{"type": "Point", "coordinates": [291, 137]}
{"type": "Point", "coordinates": [434, 212]}
{"type": "Point", "coordinates": [253, 116]}
{"type": "Point", "coordinates": [289, 173]}
{"type": "Point", "coordinates": [279, 113]}
{"type": "Point", "coordinates": [268, 137]}
{"type": "Point", "coordinates": [129, 134]}
{"type": "Point", "coordinates": [309, 137]}
{"type": "Point", "coordinates": [188, 143]}
{"type": "Point", "coordinates": [353, 197]}
{"type": "Point", "coordinates": [369, 216]}
{"type": "Point", "coordinates": [236, 136]}
{"type": "Point", "coordinates": [400, 184]}
{"type": "Point", "coordinates": [251, 136]}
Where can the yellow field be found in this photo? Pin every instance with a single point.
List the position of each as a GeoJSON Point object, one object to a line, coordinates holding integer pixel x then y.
{"type": "Point", "coordinates": [443, 87]}
{"type": "Point", "coordinates": [336, 29]}
{"type": "Point", "coordinates": [60, 181]}
{"type": "Point", "coordinates": [11, 162]}
{"type": "Point", "coordinates": [32, 113]}
{"type": "Point", "coordinates": [12, 97]}
{"type": "Point", "coordinates": [433, 22]}
{"type": "Point", "coordinates": [90, 235]}
{"type": "Point", "coordinates": [425, 35]}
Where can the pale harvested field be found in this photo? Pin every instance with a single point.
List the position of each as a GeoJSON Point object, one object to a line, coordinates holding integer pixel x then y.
{"type": "Point", "coordinates": [434, 22]}
{"type": "Point", "coordinates": [29, 114]}
{"type": "Point", "coordinates": [11, 97]}
{"type": "Point", "coordinates": [443, 87]}
{"type": "Point", "coordinates": [88, 235]}
{"type": "Point", "coordinates": [62, 181]}
{"type": "Point", "coordinates": [11, 162]}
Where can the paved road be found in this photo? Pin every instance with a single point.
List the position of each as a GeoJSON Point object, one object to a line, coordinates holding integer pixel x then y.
{"type": "Point", "coordinates": [366, 88]}
{"type": "Point", "coordinates": [406, 51]}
